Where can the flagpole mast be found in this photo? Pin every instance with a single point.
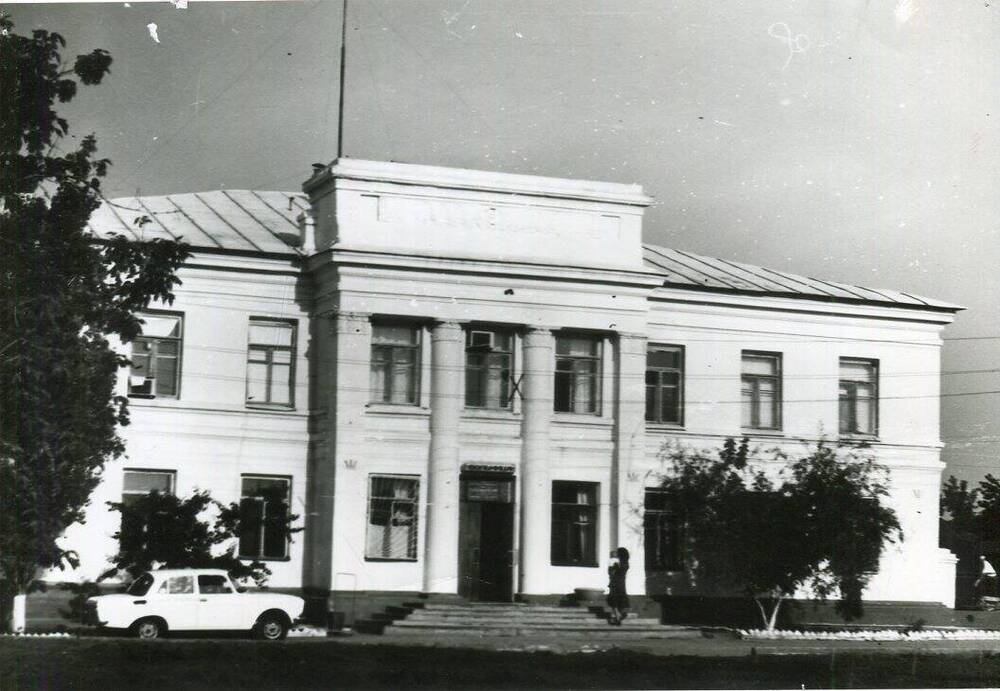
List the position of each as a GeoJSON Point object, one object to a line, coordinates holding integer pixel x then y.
{"type": "Point", "coordinates": [340, 96]}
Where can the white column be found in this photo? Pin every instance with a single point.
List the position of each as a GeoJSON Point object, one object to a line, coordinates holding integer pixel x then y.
{"type": "Point", "coordinates": [536, 490]}
{"type": "Point", "coordinates": [630, 446]}
{"type": "Point", "coordinates": [441, 553]}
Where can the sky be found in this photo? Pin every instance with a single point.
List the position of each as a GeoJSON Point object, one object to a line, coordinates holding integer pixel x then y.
{"type": "Point", "coordinates": [855, 140]}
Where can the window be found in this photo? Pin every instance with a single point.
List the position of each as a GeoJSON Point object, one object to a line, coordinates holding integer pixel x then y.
{"type": "Point", "coordinates": [156, 357]}
{"type": "Point", "coordinates": [141, 585]}
{"type": "Point", "coordinates": [209, 584]}
{"type": "Point", "coordinates": [858, 396]}
{"type": "Point", "coordinates": [138, 523]}
{"type": "Point", "coordinates": [665, 385]}
{"type": "Point", "coordinates": [574, 523]}
{"type": "Point", "coordinates": [395, 364]}
{"type": "Point", "coordinates": [271, 363]}
{"type": "Point", "coordinates": [663, 533]}
{"type": "Point", "coordinates": [139, 483]}
{"type": "Point", "coordinates": [264, 517]}
{"type": "Point", "coordinates": [392, 518]}
{"type": "Point", "coordinates": [178, 585]}
{"type": "Point", "coordinates": [761, 390]}
{"type": "Point", "coordinates": [578, 366]}
{"type": "Point", "coordinates": [489, 361]}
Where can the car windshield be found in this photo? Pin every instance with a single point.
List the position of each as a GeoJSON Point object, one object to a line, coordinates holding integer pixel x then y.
{"type": "Point", "coordinates": [140, 586]}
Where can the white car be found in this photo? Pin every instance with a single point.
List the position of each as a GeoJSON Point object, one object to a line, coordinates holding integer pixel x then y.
{"type": "Point", "coordinates": [193, 600]}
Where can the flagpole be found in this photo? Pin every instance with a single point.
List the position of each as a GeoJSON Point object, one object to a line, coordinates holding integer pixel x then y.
{"type": "Point", "coordinates": [340, 96]}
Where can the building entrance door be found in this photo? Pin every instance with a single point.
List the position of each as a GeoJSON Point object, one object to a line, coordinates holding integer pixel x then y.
{"type": "Point", "coordinates": [486, 537]}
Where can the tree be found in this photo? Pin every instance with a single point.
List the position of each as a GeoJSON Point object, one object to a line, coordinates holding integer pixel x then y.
{"type": "Point", "coordinates": [817, 521]}
{"type": "Point", "coordinates": [62, 295]}
{"type": "Point", "coordinates": [970, 527]}
{"type": "Point", "coordinates": [165, 531]}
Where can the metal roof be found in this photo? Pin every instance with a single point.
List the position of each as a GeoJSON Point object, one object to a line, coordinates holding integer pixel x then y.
{"type": "Point", "coordinates": [237, 220]}
{"type": "Point", "coordinates": [692, 271]}
{"type": "Point", "coordinates": [266, 222]}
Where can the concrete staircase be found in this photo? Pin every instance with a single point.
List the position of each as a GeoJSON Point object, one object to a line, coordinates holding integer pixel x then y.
{"type": "Point", "coordinates": [516, 619]}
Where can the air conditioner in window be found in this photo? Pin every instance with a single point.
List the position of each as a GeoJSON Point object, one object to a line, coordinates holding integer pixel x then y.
{"type": "Point", "coordinates": [142, 386]}
{"type": "Point", "coordinates": [481, 340]}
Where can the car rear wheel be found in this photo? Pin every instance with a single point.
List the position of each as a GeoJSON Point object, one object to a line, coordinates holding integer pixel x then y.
{"type": "Point", "coordinates": [271, 627]}
{"type": "Point", "coordinates": [148, 629]}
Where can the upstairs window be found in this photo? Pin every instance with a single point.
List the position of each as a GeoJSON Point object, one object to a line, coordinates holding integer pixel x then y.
{"type": "Point", "coordinates": [392, 518]}
{"type": "Point", "coordinates": [489, 361]}
{"type": "Point", "coordinates": [395, 366]}
{"type": "Point", "coordinates": [761, 392]}
{"type": "Point", "coordinates": [858, 396]}
{"type": "Point", "coordinates": [156, 357]}
{"type": "Point", "coordinates": [264, 509]}
{"type": "Point", "coordinates": [577, 375]}
{"type": "Point", "coordinates": [665, 385]}
{"type": "Point", "coordinates": [574, 523]}
{"type": "Point", "coordinates": [270, 363]}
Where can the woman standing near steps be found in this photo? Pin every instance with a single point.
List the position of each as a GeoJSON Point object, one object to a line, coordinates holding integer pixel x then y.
{"type": "Point", "coordinates": [617, 597]}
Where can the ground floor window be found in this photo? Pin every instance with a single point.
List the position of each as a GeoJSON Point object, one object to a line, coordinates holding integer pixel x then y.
{"type": "Point", "coordinates": [138, 521]}
{"type": "Point", "coordinates": [663, 533]}
{"type": "Point", "coordinates": [574, 523]}
{"type": "Point", "coordinates": [264, 512]}
{"type": "Point", "coordinates": [393, 501]}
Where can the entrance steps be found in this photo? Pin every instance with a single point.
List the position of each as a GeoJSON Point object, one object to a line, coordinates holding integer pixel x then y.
{"type": "Point", "coordinates": [516, 619]}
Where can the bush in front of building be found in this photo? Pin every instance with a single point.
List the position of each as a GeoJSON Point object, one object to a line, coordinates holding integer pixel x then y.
{"type": "Point", "coordinates": [166, 531]}
{"type": "Point", "coordinates": [771, 527]}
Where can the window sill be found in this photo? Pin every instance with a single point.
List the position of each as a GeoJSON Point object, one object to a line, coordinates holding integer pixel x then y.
{"type": "Point", "coordinates": [581, 419]}
{"type": "Point", "coordinates": [396, 409]}
{"type": "Point", "coordinates": [582, 566]}
{"type": "Point", "coordinates": [859, 437]}
{"type": "Point", "coordinates": [244, 557]}
{"type": "Point", "coordinates": [490, 414]}
{"type": "Point", "coordinates": [766, 433]}
{"type": "Point", "coordinates": [664, 427]}
{"type": "Point", "coordinates": [391, 559]}
{"type": "Point", "coordinates": [269, 406]}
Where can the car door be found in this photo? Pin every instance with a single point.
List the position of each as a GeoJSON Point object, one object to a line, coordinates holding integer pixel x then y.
{"type": "Point", "coordinates": [218, 604]}
{"type": "Point", "coordinates": [176, 601]}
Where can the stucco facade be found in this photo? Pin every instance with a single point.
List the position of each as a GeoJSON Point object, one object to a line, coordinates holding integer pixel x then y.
{"type": "Point", "coordinates": [384, 283]}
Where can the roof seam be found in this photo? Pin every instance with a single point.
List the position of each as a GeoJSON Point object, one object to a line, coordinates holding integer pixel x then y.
{"type": "Point", "coordinates": [654, 250]}
{"type": "Point", "coordinates": [193, 222]}
{"type": "Point", "coordinates": [259, 222]}
{"type": "Point", "coordinates": [223, 219]}
{"type": "Point", "coordinates": [154, 218]}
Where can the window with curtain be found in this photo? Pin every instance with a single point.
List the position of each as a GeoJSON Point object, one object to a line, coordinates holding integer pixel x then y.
{"type": "Point", "coordinates": [395, 364]}
{"type": "Point", "coordinates": [489, 362]}
{"type": "Point", "coordinates": [761, 390]}
{"type": "Point", "coordinates": [577, 374]}
{"type": "Point", "coordinates": [156, 357]}
{"type": "Point", "coordinates": [264, 510]}
{"type": "Point", "coordinates": [270, 363]}
{"type": "Point", "coordinates": [858, 396]}
{"type": "Point", "coordinates": [665, 384]}
{"type": "Point", "coordinates": [393, 503]}
{"type": "Point", "coordinates": [574, 523]}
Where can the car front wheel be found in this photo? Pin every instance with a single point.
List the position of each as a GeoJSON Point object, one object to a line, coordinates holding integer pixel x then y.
{"type": "Point", "coordinates": [271, 627]}
{"type": "Point", "coordinates": [148, 629]}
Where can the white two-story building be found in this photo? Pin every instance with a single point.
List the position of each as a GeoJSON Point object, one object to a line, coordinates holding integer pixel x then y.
{"type": "Point", "coordinates": [461, 381]}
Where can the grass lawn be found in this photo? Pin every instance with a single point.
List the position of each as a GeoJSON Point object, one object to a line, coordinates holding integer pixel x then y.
{"type": "Point", "coordinates": [109, 663]}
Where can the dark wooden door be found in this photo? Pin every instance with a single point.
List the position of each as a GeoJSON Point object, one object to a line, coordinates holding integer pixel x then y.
{"type": "Point", "coordinates": [486, 539]}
